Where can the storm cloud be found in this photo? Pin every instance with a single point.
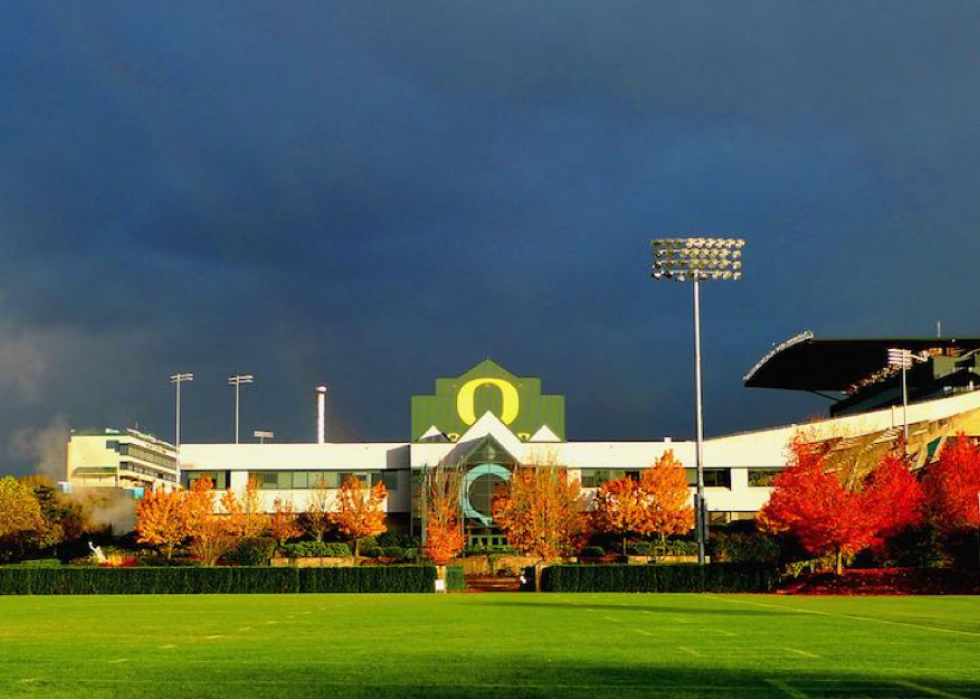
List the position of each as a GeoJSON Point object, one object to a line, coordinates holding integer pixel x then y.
{"type": "Point", "coordinates": [370, 195]}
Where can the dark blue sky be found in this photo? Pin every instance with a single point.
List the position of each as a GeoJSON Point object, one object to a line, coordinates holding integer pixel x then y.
{"type": "Point", "coordinates": [370, 195]}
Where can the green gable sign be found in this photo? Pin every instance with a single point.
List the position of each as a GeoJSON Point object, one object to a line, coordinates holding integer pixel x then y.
{"type": "Point", "coordinates": [461, 401]}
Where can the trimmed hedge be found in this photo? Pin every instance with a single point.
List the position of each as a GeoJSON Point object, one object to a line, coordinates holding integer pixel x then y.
{"type": "Point", "coordinates": [718, 577]}
{"type": "Point", "coordinates": [454, 578]}
{"type": "Point", "coordinates": [316, 549]}
{"type": "Point", "coordinates": [164, 581]}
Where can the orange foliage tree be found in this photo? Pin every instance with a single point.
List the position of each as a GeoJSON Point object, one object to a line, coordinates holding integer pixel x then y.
{"type": "Point", "coordinates": [161, 520]}
{"type": "Point", "coordinates": [246, 520]}
{"type": "Point", "coordinates": [621, 507]}
{"type": "Point", "coordinates": [283, 524]}
{"type": "Point", "coordinates": [316, 518]}
{"type": "Point", "coordinates": [359, 511]}
{"type": "Point", "coordinates": [541, 511]}
{"type": "Point", "coordinates": [443, 531]}
{"type": "Point", "coordinates": [210, 534]}
{"type": "Point", "coordinates": [669, 510]}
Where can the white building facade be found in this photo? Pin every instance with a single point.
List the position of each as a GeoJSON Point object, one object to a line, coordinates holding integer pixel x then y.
{"type": "Point", "coordinates": [487, 421]}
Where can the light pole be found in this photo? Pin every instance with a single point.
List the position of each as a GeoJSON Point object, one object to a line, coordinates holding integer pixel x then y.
{"type": "Point", "coordinates": [237, 380]}
{"type": "Point", "coordinates": [698, 260]}
{"type": "Point", "coordinates": [176, 380]}
{"type": "Point", "coordinates": [902, 359]}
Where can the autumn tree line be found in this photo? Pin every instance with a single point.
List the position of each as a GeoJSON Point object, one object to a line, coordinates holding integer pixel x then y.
{"type": "Point", "coordinates": [544, 512]}
{"type": "Point", "coordinates": [210, 525]}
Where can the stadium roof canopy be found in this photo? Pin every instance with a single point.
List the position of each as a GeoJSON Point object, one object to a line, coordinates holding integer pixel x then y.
{"type": "Point", "coordinates": [805, 363]}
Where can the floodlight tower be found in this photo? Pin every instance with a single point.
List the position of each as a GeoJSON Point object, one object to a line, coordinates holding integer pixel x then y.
{"type": "Point", "coordinates": [176, 380]}
{"type": "Point", "coordinates": [698, 260]}
{"type": "Point", "coordinates": [237, 380]}
{"type": "Point", "coordinates": [904, 359]}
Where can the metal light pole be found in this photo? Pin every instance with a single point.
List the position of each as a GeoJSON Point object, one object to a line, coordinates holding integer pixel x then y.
{"type": "Point", "coordinates": [698, 260]}
{"type": "Point", "coordinates": [237, 380]}
{"type": "Point", "coordinates": [902, 358]}
{"type": "Point", "coordinates": [176, 380]}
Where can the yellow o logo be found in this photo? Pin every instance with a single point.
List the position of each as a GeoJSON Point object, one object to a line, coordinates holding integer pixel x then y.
{"type": "Point", "coordinates": [466, 400]}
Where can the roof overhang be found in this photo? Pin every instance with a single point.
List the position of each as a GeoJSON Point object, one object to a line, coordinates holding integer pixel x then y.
{"type": "Point", "coordinates": [804, 363]}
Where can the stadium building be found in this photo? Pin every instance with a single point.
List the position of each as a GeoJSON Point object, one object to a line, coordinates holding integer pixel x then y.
{"type": "Point", "coordinates": [488, 420]}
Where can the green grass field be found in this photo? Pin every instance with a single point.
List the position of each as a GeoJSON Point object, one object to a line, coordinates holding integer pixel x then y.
{"type": "Point", "coordinates": [489, 645]}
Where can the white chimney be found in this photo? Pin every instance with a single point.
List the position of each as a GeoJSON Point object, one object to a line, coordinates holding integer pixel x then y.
{"type": "Point", "coordinates": [321, 417]}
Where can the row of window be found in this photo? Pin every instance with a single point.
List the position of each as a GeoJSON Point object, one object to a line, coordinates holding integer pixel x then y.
{"type": "Point", "coordinates": [308, 480]}
{"type": "Point", "coordinates": [142, 453]}
{"type": "Point", "coordinates": [296, 480]}
{"type": "Point", "coordinates": [713, 477]}
{"type": "Point", "coordinates": [590, 478]}
{"type": "Point", "coordinates": [147, 471]}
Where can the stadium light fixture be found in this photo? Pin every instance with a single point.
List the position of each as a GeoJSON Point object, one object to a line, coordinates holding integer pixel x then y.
{"type": "Point", "coordinates": [698, 260]}
{"type": "Point", "coordinates": [176, 380]}
{"type": "Point", "coordinates": [237, 380]}
{"type": "Point", "coordinates": [903, 359]}
{"type": "Point", "coordinates": [263, 435]}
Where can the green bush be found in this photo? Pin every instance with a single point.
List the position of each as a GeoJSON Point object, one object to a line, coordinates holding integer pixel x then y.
{"type": "Point", "coordinates": [393, 552]}
{"type": "Point", "coordinates": [643, 548]}
{"type": "Point", "coordinates": [593, 552]}
{"type": "Point", "coordinates": [739, 547]}
{"type": "Point", "coordinates": [454, 578]}
{"type": "Point", "coordinates": [242, 580]}
{"type": "Point", "coordinates": [316, 549]}
{"type": "Point", "coordinates": [405, 541]}
{"type": "Point", "coordinates": [254, 552]}
{"type": "Point", "coordinates": [678, 547]}
{"type": "Point", "coordinates": [369, 543]}
{"type": "Point", "coordinates": [38, 563]}
{"type": "Point", "coordinates": [718, 577]}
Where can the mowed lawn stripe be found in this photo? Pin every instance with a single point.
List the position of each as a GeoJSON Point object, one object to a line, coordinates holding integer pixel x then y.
{"type": "Point", "coordinates": [486, 645]}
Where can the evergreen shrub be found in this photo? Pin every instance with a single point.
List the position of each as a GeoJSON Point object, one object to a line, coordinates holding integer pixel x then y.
{"type": "Point", "coordinates": [241, 580]}
{"type": "Point", "coordinates": [717, 577]}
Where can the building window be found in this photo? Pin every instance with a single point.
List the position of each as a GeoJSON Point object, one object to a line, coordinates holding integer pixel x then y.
{"type": "Point", "coordinates": [762, 477]}
{"type": "Point", "coordinates": [219, 478]}
{"type": "Point", "coordinates": [713, 477]}
{"type": "Point", "coordinates": [309, 480]}
{"type": "Point", "coordinates": [595, 477]}
{"type": "Point", "coordinates": [389, 478]}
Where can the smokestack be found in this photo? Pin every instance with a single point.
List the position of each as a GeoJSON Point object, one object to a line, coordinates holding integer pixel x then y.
{"type": "Point", "coordinates": [321, 417]}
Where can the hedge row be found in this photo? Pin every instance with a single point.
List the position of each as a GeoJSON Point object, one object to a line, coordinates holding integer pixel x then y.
{"type": "Point", "coordinates": [454, 578]}
{"type": "Point", "coordinates": [717, 577]}
{"type": "Point", "coordinates": [164, 581]}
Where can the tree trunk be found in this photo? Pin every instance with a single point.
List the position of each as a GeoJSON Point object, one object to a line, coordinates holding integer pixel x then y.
{"type": "Point", "coordinates": [357, 548]}
{"type": "Point", "coordinates": [624, 544]}
{"type": "Point", "coordinates": [840, 561]}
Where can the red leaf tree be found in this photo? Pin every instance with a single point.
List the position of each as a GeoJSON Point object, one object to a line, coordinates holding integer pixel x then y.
{"type": "Point", "coordinates": [812, 504]}
{"type": "Point", "coordinates": [893, 498]}
{"type": "Point", "coordinates": [952, 485]}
